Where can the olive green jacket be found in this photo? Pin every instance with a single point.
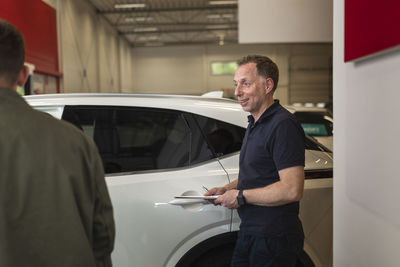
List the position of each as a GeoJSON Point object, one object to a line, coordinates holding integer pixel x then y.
{"type": "Point", "coordinates": [54, 205]}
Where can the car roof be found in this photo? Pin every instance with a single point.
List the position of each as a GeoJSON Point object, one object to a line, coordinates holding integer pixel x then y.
{"type": "Point", "coordinates": [217, 108]}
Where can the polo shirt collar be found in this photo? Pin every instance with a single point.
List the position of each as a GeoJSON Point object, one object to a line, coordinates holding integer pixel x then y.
{"type": "Point", "coordinates": [267, 113]}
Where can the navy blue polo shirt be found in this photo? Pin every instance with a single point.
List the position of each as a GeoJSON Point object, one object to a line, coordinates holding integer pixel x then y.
{"type": "Point", "coordinates": [273, 143]}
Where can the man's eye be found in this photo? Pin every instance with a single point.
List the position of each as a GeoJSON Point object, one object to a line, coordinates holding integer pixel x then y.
{"type": "Point", "coordinates": [246, 84]}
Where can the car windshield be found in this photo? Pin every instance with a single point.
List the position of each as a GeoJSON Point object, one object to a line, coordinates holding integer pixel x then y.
{"type": "Point", "coordinates": [312, 144]}
{"type": "Point", "coordinates": [315, 123]}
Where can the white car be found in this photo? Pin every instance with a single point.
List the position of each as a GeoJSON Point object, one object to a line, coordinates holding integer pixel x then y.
{"type": "Point", "coordinates": [157, 147]}
{"type": "Point", "coordinates": [316, 122]}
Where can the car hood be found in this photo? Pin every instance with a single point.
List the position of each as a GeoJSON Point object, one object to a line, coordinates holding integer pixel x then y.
{"type": "Point", "coordinates": [318, 160]}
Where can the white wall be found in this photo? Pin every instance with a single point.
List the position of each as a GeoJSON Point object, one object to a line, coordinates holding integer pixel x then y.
{"type": "Point", "coordinates": [186, 69]}
{"type": "Point", "coordinates": [285, 21]}
{"type": "Point", "coordinates": [93, 58]}
{"type": "Point", "coordinates": [366, 176]}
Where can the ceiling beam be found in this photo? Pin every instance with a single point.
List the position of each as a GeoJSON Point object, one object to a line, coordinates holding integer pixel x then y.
{"type": "Point", "coordinates": [172, 9]}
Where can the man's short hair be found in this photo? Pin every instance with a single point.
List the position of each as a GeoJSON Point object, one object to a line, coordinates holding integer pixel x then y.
{"type": "Point", "coordinates": [12, 52]}
{"type": "Point", "coordinates": [265, 67]}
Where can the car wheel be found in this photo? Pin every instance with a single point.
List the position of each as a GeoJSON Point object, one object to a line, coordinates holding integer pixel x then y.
{"type": "Point", "coordinates": [219, 256]}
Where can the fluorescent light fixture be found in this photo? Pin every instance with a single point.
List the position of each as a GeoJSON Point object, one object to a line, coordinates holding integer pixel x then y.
{"type": "Point", "coordinates": [143, 18]}
{"type": "Point", "coordinates": [154, 44]}
{"type": "Point", "coordinates": [222, 2]}
{"type": "Point", "coordinates": [148, 38]}
{"type": "Point", "coordinates": [227, 16]}
{"type": "Point", "coordinates": [214, 16]}
{"type": "Point", "coordinates": [129, 6]}
{"type": "Point", "coordinates": [129, 19]}
{"type": "Point", "coordinates": [146, 29]}
{"type": "Point", "coordinates": [138, 19]}
{"type": "Point", "coordinates": [220, 16]}
{"type": "Point", "coordinates": [217, 26]}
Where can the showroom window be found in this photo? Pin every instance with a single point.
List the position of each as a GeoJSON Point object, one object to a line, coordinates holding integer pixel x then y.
{"type": "Point", "coordinates": [139, 139]}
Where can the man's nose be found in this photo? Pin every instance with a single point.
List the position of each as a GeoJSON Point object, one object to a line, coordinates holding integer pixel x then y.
{"type": "Point", "coordinates": [238, 89]}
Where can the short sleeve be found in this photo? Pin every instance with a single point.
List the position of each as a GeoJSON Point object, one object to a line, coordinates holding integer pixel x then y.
{"type": "Point", "coordinates": [287, 145]}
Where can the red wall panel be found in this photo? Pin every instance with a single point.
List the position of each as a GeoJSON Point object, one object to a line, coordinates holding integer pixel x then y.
{"type": "Point", "coordinates": [370, 26]}
{"type": "Point", "coordinates": [37, 22]}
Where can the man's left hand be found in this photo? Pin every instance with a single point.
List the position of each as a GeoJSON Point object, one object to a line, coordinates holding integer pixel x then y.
{"type": "Point", "coordinates": [228, 199]}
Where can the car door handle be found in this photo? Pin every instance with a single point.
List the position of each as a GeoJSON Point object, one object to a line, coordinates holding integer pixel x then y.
{"type": "Point", "coordinates": [182, 202]}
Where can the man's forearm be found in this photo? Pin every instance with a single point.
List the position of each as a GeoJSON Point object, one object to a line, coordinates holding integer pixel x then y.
{"type": "Point", "coordinates": [288, 189]}
{"type": "Point", "coordinates": [231, 185]}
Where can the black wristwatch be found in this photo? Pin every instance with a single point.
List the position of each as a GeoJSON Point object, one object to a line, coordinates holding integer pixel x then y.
{"type": "Point", "coordinates": [240, 198]}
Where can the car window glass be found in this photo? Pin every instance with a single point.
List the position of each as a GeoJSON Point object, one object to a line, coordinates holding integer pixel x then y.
{"type": "Point", "coordinates": [314, 123]}
{"type": "Point", "coordinates": [135, 139]}
{"type": "Point", "coordinates": [222, 137]}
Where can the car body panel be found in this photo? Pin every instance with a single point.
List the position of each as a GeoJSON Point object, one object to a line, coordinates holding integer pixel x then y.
{"type": "Point", "coordinates": [141, 201]}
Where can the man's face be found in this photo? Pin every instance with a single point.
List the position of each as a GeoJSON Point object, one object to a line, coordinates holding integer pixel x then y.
{"type": "Point", "coordinates": [250, 89]}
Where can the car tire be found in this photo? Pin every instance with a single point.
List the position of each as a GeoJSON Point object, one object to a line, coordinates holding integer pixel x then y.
{"type": "Point", "coordinates": [220, 256]}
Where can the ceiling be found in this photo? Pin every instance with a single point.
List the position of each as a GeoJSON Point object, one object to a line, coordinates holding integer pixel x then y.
{"type": "Point", "coordinates": [172, 22]}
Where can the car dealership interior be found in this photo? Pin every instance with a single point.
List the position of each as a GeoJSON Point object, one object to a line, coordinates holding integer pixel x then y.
{"type": "Point", "coordinates": [336, 58]}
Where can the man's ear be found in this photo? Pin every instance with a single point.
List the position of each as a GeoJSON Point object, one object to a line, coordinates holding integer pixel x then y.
{"type": "Point", "coordinates": [269, 85]}
{"type": "Point", "coordinates": [23, 75]}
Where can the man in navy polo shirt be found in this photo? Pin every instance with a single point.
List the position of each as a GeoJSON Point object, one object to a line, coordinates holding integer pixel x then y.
{"type": "Point", "coordinates": [271, 174]}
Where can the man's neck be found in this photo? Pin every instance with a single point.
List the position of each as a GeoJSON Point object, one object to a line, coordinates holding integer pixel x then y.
{"type": "Point", "coordinates": [4, 84]}
{"type": "Point", "coordinates": [264, 107]}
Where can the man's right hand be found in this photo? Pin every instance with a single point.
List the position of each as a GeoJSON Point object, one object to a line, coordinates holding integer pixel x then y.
{"type": "Point", "coordinates": [215, 191]}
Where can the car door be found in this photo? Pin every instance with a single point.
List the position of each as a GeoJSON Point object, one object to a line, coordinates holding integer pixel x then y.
{"type": "Point", "coordinates": [149, 156]}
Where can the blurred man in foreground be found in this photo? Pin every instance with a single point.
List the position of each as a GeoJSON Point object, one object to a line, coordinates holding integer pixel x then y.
{"type": "Point", "coordinates": [54, 205]}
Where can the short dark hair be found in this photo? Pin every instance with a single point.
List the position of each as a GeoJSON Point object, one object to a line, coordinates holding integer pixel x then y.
{"type": "Point", "coordinates": [12, 52]}
{"type": "Point", "coordinates": [265, 67]}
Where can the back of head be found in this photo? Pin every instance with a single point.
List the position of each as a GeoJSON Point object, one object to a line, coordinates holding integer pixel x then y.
{"type": "Point", "coordinates": [12, 53]}
{"type": "Point", "coordinates": [265, 67]}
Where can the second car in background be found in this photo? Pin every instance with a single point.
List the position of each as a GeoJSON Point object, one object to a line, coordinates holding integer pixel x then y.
{"type": "Point", "coordinates": [316, 122]}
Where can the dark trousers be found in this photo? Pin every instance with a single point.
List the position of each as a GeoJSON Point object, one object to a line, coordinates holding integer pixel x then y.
{"type": "Point", "coordinates": [257, 251]}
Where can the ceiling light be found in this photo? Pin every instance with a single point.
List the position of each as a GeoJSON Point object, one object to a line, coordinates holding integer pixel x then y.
{"type": "Point", "coordinates": [220, 16]}
{"type": "Point", "coordinates": [214, 16]}
{"type": "Point", "coordinates": [154, 44]}
{"type": "Point", "coordinates": [217, 26]}
{"type": "Point", "coordinates": [146, 29]}
{"type": "Point", "coordinates": [129, 5]}
{"type": "Point", "coordinates": [138, 19]}
{"type": "Point", "coordinates": [222, 2]}
{"type": "Point", "coordinates": [227, 16]}
{"type": "Point", "coordinates": [129, 19]}
{"type": "Point", "coordinates": [143, 18]}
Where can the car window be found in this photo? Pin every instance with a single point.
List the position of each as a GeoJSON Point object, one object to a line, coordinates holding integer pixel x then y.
{"type": "Point", "coordinates": [138, 139]}
{"type": "Point", "coordinates": [314, 123]}
{"type": "Point", "coordinates": [222, 137]}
